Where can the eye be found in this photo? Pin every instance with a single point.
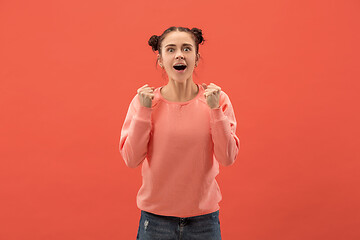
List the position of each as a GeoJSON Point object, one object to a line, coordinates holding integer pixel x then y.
{"type": "Point", "coordinates": [170, 49]}
{"type": "Point", "coordinates": [187, 49]}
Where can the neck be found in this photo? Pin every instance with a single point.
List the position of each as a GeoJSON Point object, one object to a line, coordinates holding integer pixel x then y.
{"type": "Point", "coordinates": [180, 91]}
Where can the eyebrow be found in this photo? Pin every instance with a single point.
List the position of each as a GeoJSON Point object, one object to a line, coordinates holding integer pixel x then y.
{"type": "Point", "coordinates": [185, 44]}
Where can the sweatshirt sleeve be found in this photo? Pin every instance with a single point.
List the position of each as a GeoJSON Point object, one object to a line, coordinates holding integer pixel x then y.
{"type": "Point", "coordinates": [135, 133]}
{"type": "Point", "coordinates": [223, 128]}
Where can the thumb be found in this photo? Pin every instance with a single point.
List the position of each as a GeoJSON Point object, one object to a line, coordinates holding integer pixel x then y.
{"type": "Point", "coordinates": [204, 85]}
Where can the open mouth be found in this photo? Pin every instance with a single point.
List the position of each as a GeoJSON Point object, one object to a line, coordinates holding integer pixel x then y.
{"type": "Point", "coordinates": [180, 67]}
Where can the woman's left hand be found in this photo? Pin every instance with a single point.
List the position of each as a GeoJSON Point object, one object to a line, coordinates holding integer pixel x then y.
{"type": "Point", "coordinates": [212, 95]}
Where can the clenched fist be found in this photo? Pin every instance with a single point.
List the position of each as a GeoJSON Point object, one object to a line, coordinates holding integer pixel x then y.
{"type": "Point", "coordinates": [146, 95]}
{"type": "Point", "coordinates": [212, 95]}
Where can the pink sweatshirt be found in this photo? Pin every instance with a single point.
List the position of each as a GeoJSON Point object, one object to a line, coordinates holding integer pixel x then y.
{"type": "Point", "coordinates": [180, 146]}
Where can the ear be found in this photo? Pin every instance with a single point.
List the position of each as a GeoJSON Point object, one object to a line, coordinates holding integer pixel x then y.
{"type": "Point", "coordinates": [160, 60]}
{"type": "Point", "coordinates": [197, 58]}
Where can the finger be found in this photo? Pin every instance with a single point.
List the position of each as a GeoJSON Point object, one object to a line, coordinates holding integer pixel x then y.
{"type": "Point", "coordinates": [139, 89]}
{"type": "Point", "coordinates": [211, 90]}
{"type": "Point", "coordinates": [213, 85]}
{"type": "Point", "coordinates": [206, 94]}
{"type": "Point", "coordinates": [217, 90]}
{"type": "Point", "coordinates": [146, 86]}
{"type": "Point", "coordinates": [149, 88]}
{"type": "Point", "coordinates": [146, 89]}
{"type": "Point", "coordinates": [204, 85]}
{"type": "Point", "coordinates": [148, 95]}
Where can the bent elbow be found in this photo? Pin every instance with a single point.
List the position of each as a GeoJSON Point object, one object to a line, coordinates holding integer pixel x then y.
{"type": "Point", "coordinates": [131, 161]}
{"type": "Point", "coordinates": [228, 162]}
{"type": "Point", "coordinates": [131, 164]}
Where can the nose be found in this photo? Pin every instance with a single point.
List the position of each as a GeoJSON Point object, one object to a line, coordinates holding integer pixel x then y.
{"type": "Point", "coordinates": [179, 55]}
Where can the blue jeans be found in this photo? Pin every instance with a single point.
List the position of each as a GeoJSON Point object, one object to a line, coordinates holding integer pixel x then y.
{"type": "Point", "coordinates": [159, 227]}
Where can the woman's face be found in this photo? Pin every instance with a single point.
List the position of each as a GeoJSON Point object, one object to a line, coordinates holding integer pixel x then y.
{"type": "Point", "coordinates": [177, 51]}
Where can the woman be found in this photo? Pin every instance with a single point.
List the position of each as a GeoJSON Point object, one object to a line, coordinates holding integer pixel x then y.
{"type": "Point", "coordinates": [180, 132]}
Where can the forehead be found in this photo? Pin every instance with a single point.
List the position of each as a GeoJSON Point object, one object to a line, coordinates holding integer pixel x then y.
{"type": "Point", "coordinates": [178, 38]}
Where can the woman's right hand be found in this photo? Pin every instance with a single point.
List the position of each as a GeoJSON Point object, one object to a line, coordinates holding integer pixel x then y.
{"type": "Point", "coordinates": [146, 94]}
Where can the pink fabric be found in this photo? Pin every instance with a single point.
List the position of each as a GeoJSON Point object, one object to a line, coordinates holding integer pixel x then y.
{"type": "Point", "coordinates": [180, 146]}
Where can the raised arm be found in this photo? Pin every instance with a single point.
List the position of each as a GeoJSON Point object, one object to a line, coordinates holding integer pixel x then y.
{"type": "Point", "coordinates": [135, 133]}
{"type": "Point", "coordinates": [223, 128]}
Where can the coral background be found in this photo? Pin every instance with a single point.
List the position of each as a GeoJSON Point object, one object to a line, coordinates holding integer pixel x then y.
{"type": "Point", "coordinates": [68, 70]}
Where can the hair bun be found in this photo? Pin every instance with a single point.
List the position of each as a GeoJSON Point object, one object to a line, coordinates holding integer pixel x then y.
{"type": "Point", "coordinates": [198, 33]}
{"type": "Point", "coordinates": [153, 42]}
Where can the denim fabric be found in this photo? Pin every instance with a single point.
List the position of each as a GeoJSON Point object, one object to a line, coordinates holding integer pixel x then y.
{"type": "Point", "coordinates": [158, 227]}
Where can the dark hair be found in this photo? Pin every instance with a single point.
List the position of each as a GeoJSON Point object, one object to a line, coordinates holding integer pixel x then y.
{"type": "Point", "coordinates": [155, 41]}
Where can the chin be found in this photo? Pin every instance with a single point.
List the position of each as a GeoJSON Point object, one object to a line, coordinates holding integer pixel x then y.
{"type": "Point", "coordinates": [181, 78]}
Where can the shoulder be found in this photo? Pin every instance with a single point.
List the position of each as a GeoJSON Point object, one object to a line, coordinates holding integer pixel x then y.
{"type": "Point", "coordinates": [224, 97]}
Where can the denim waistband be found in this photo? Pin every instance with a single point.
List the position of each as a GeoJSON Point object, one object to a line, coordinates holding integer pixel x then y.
{"type": "Point", "coordinates": [213, 214]}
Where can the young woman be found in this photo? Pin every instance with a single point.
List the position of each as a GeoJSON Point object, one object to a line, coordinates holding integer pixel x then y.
{"type": "Point", "coordinates": [180, 133]}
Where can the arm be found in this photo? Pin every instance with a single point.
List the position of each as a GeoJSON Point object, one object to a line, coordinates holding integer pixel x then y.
{"type": "Point", "coordinates": [223, 128]}
{"type": "Point", "coordinates": [135, 133]}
